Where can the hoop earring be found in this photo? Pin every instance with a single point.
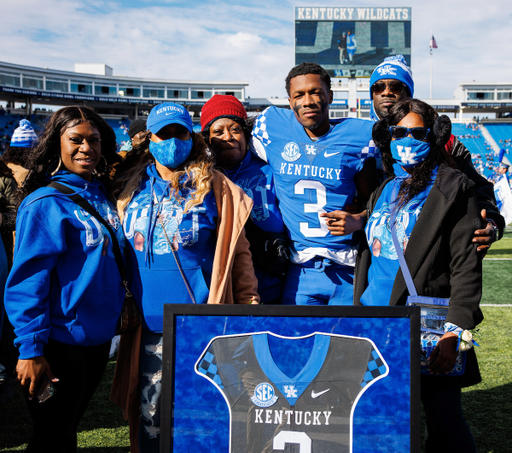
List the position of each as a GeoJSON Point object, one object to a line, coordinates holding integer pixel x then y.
{"type": "Point", "coordinates": [58, 168]}
{"type": "Point", "coordinates": [101, 173]}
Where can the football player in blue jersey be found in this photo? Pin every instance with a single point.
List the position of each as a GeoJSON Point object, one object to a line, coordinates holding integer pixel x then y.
{"type": "Point", "coordinates": [318, 167]}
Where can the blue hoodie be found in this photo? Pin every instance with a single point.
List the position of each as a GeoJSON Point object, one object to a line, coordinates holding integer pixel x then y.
{"type": "Point", "coordinates": [156, 279]}
{"type": "Point", "coordinates": [64, 283]}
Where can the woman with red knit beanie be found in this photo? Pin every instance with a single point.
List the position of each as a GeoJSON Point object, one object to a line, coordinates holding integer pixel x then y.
{"type": "Point", "coordinates": [227, 131]}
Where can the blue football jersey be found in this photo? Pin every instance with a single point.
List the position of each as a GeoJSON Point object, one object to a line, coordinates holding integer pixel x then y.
{"type": "Point", "coordinates": [309, 413]}
{"type": "Point", "coordinates": [313, 177]}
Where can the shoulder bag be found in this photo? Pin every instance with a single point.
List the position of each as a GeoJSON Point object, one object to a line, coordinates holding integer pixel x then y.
{"type": "Point", "coordinates": [130, 316]}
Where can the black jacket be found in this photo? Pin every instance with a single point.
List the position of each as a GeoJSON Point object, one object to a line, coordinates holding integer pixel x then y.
{"type": "Point", "coordinates": [441, 258]}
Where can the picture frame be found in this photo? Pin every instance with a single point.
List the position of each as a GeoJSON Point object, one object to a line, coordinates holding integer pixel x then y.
{"type": "Point", "coordinates": [214, 357]}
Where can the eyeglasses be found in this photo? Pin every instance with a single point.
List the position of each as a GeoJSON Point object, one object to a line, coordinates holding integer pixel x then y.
{"type": "Point", "coordinates": [394, 87]}
{"type": "Point", "coordinates": [419, 133]}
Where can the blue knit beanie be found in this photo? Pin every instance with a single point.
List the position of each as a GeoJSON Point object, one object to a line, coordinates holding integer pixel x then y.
{"type": "Point", "coordinates": [395, 68]}
{"type": "Point", "coordinates": [23, 136]}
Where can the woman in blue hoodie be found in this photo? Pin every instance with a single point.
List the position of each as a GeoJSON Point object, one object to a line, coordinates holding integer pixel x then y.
{"type": "Point", "coordinates": [64, 294]}
{"type": "Point", "coordinates": [184, 223]}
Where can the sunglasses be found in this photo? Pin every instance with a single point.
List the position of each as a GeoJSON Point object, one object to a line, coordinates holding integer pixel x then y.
{"type": "Point", "coordinates": [394, 87]}
{"type": "Point", "coordinates": [419, 133]}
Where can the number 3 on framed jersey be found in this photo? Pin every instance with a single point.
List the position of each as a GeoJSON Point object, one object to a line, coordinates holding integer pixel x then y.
{"type": "Point", "coordinates": [310, 412]}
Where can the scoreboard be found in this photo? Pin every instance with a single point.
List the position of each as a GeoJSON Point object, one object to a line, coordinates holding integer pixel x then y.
{"type": "Point", "coordinates": [351, 41]}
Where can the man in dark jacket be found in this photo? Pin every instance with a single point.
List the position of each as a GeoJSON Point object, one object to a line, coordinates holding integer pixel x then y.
{"type": "Point", "coordinates": [391, 82]}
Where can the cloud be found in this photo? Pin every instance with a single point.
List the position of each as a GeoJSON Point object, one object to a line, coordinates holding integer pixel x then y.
{"type": "Point", "coordinates": [253, 42]}
{"type": "Point", "coordinates": [244, 41]}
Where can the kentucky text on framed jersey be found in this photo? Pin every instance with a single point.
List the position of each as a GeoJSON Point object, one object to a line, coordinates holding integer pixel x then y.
{"type": "Point", "coordinates": [253, 379]}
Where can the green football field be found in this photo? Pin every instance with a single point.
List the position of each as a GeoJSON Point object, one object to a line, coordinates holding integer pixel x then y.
{"type": "Point", "coordinates": [487, 406]}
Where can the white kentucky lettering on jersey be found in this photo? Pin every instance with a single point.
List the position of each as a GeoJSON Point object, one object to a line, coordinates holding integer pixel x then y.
{"type": "Point", "coordinates": [283, 416]}
{"type": "Point", "coordinates": [291, 391]}
{"type": "Point", "coordinates": [311, 149]}
{"type": "Point", "coordinates": [310, 171]}
{"type": "Point", "coordinates": [386, 70]}
{"type": "Point", "coordinates": [406, 156]}
{"type": "Point", "coordinates": [93, 231]}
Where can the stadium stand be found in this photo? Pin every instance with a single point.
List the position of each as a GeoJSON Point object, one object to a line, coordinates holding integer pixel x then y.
{"type": "Point", "coordinates": [9, 122]}
{"type": "Point", "coordinates": [120, 128]}
{"type": "Point", "coordinates": [502, 134]}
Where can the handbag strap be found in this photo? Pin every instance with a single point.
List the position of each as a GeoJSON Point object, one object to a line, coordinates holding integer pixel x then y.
{"type": "Point", "coordinates": [86, 206]}
{"type": "Point", "coordinates": [401, 259]}
{"type": "Point", "coordinates": [187, 284]}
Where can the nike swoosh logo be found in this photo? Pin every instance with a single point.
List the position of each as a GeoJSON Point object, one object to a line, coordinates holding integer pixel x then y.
{"type": "Point", "coordinates": [326, 154]}
{"type": "Point", "coordinates": [316, 395]}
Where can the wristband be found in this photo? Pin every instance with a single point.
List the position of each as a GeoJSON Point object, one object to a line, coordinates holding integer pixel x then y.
{"type": "Point", "coordinates": [465, 339]}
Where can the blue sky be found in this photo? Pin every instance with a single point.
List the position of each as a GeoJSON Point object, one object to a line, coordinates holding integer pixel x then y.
{"type": "Point", "coordinates": [245, 41]}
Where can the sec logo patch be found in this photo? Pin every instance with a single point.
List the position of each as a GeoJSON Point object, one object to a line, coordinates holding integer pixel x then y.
{"type": "Point", "coordinates": [291, 152]}
{"type": "Point", "coordinates": [264, 395]}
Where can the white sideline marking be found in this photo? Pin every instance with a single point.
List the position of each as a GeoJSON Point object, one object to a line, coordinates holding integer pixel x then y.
{"type": "Point", "coordinates": [495, 305]}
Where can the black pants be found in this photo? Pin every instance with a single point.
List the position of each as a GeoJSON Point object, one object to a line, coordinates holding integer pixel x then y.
{"type": "Point", "coordinates": [79, 369]}
{"type": "Point", "coordinates": [447, 430]}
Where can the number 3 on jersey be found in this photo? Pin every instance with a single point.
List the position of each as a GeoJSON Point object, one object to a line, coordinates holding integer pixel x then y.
{"type": "Point", "coordinates": [292, 437]}
{"type": "Point", "coordinates": [318, 207]}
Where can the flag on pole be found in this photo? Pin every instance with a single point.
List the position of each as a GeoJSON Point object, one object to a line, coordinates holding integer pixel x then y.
{"type": "Point", "coordinates": [433, 44]}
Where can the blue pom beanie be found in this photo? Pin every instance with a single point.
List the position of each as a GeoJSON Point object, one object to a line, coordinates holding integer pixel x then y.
{"type": "Point", "coordinates": [395, 68]}
{"type": "Point", "coordinates": [23, 136]}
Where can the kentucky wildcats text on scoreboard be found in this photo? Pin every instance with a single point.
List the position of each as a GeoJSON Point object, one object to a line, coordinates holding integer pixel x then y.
{"type": "Point", "coordinates": [349, 41]}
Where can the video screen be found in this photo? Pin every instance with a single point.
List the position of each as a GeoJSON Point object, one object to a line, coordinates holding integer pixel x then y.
{"type": "Point", "coordinates": [351, 48]}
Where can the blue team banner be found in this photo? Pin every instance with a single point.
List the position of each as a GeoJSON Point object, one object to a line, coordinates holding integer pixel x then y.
{"type": "Point", "coordinates": [244, 379]}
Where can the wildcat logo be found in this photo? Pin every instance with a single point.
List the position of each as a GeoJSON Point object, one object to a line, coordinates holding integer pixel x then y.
{"type": "Point", "coordinates": [310, 149]}
{"type": "Point", "coordinates": [406, 156]}
{"type": "Point", "coordinates": [291, 152]}
{"type": "Point", "coordinates": [291, 391]}
{"type": "Point", "coordinates": [386, 70]}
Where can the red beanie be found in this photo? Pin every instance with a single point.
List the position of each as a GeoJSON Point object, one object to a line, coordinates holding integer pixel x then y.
{"type": "Point", "coordinates": [220, 106]}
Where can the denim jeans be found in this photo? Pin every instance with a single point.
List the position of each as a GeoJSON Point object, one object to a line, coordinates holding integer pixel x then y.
{"type": "Point", "coordinates": [151, 390]}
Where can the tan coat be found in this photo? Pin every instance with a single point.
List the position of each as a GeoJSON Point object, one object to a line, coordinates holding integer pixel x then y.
{"type": "Point", "coordinates": [19, 172]}
{"type": "Point", "coordinates": [233, 281]}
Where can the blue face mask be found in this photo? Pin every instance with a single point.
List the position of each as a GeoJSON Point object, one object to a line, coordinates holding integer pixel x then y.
{"type": "Point", "coordinates": [171, 153]}
{"type": "Point", "coordinates": [409, 152]}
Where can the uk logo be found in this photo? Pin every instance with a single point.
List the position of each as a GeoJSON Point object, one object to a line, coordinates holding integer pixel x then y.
{"type": "Point", "coordinates": [264, 395]}
{"type": "Point", "coordinates": [291, 391]}
{"type": "Point", "coordinates": [310, 149]}
{"type": "Point", "coordinates": [386, 70]}
{"type": "Point", "coordinates": [406, 155]}
{"type": "Point", "coordinates": [291, 152]}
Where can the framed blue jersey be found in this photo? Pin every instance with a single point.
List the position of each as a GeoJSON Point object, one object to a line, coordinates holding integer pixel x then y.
{"type": "Point", "coordinates": [310, 412]}
{"type": "Point", "coordinates": [290, 379]}
{"type": "Point", "coordinates": [313, 177]}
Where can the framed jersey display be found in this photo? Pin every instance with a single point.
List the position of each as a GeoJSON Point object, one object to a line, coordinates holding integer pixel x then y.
{"type": "Point", "coordinates": [290, 379]}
